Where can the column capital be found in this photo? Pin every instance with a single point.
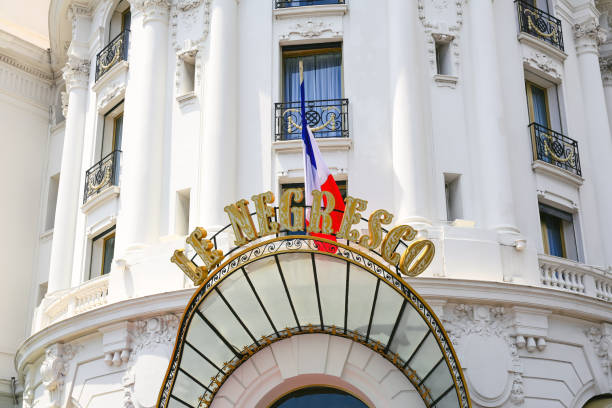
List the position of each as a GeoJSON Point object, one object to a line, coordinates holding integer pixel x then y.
{"type": "Point", "coordinates": [589, 35]}
{"type": "Point", "coordinates": [151, 9]}
{"type": "Point", "coordinates": [76, 73]}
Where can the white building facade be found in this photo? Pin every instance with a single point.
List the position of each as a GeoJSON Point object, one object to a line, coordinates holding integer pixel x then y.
{"type": "Point", "coordinates": [485, 125]}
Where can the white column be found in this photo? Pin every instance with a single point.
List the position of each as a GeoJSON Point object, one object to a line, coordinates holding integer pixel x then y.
{"type": "Point", "coordinates": [142, 169]}
{"type": "Point", "coordinates": [412, 163]}
{"type": "Point", "coordinates": [76, 75]}
{"type": "Point", "coordinates": [217, 165]}
{"type": "Point", "coordinates": [588, 36]}
{"type": "Point", "coordinates": [490, 132]}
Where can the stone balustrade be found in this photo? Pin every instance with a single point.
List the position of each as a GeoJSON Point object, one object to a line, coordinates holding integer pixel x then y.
{"type": "Point", "coordinates": [570, 276]}
{"type": "Point", "coordinates": [87, 296]}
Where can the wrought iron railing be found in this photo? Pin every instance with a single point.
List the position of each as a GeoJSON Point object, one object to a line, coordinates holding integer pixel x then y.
{"type": "Point", "coordinates": [114, 52]}
{"type": "Point", "coordinates": [104, 173]}
{"type": "Point", "coordinates": [554, 148]}
{"type": "Point", "coordinates": [297, 3]}
{"type": "Point", "coordinates": [540, 24]}
{"type": "Point", "coordinates": [326, 118]}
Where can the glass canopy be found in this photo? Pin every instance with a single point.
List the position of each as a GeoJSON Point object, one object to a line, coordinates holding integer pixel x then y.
{"type": "Point", "coordinates": [286, 287]}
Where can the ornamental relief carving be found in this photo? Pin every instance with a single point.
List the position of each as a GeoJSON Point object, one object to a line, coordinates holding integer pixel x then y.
{"type": "Point", "coordinates": [308, 27]}
{"type": "Point", "coordinates": [189, 24]}
{"type": "Point", "coordinates": [147, 336]}
{"type": "Point", "coordinates": [478, 333]}
{"type": "Point", "coordinates": [544, 64]}
{"type": "Point", "coordinates": [54, 369]}
{"type": "Point", "coordinates": [601, 341]}
{"type": "Point", "coordinates": [442, 19]}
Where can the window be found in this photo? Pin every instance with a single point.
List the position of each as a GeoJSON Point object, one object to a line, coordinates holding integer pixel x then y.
{"type": "Point", "coordinates": [322, 72]}
{"type": "Point", "coordinates": [187, 73]}
{"type": "Point", "coordinates": [318, 396]}
{"type": "Point", "coordinates": [120, 20]}
{"type": "Point", "coordinates": [454, 209]}
{"type": "Point", "coordinates": [443, 56]}
{"type": "Point", "coordinates": [102, 253]}
{"type": "Point", "coordinates": [112, 132]}
{"type": "Point", "coordinates": [558, 233]}
{"type": "Point", "coordinates": [297, 3]}
{"type": "Point", "coordinates": [325, 110]}
{"type": "Point", "coordinates": [540, 4]}
{"type": "Point", "coordinates": [52, 202]}
{"type": "Point", "coordinates": [537, 103]}
{"type": "Point", "coordinates": [181, 222]}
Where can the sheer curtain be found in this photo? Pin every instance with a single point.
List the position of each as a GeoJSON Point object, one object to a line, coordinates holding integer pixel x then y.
{"type": "Point", "coordinates": [322, 82]}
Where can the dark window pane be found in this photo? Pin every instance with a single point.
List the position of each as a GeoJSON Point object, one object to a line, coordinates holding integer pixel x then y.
{"type": "Point", "coordinates": [109, 252]}
{"type": "Point", "coordinates": [319, 397]}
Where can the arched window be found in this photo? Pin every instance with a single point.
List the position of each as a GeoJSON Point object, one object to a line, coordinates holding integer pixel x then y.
{"type": "Point", "coordinates": [318, 396]}
{"type": "Point", "coordinates": [600, 401]}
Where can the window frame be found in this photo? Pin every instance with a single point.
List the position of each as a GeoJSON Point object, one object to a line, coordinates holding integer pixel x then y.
{"type": "Point", "coordinates": [528, 89]}
{"type": "Point", "coordinates": [305, 50]}
{"type": "Point", "coordinates": [104, 236]}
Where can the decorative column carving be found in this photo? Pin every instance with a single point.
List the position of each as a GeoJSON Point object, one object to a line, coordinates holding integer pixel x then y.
{"type": "Point", "coordinates": [588, 36]}
{"type": "Point", "coordinates": [600, 338]}
{"type": "Point", "coordinates": [76, 76]}
{"type": "Point", "coordinates": [490, 132]}
{"type": "Point", "coordinates": [53, 371]}
{"type": "Point", "coordinates": [605, 66]}
{"type": "Point", "coordinates": [144, 127]}
{"type": "Point", "coordinates": [409, 101]}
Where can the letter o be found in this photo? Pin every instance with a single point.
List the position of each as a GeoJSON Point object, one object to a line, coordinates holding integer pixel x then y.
{"type": "Point", "coordinates": [417, 257]}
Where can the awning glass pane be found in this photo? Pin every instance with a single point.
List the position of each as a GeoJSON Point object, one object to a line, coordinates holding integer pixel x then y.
{"type": "Point", "coordinates": [410, 331]}
{"type": "Point", "coordinates": [197, 366]}
{"type": "Point", "coordinates": [331, 274]}
{"type": "Point", "coordinates": [449, 401]}
{"type": "Point", "coordinates": [298, 272]}
{"type": "Point", "coordinates": [426, 356]}
{"type": "Point", "coordinates": [388, 305]}
{"type": "Point", "coordinates": [361, 296]}
{"type": "Point", "coordinates": [267, 282]}
{"type": "Point", "coordinates": [439, 380]}
{"type": "Point", "coordinates": [201, 337]}
{"type": "Point", "coordinates": [239, 295]}
{"type": "Point", "coordinates": [187, 389]}
{"type": "Point", "coordinates": [219, 315]}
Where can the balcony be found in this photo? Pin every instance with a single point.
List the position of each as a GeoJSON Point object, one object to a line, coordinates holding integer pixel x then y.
{"type": "Point", "coordinates": [326, 118]}
{"type": "Point", "coordinates": [539, 24]}
{"type": "Point", "coordinates": [101, 175]}
{"type": "Point", "coordinates": [113, 53]}
{"type": "Point", "coordinates": [297, 3]}
{"type": "Point", "coordinates": [554, 148]}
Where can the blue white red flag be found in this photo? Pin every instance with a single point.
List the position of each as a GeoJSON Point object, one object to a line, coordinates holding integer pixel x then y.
{"type": "Point", "coordinates": [317, 175]}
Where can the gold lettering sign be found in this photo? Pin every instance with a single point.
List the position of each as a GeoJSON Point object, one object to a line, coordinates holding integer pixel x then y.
{"type": "Point", "coordinates": [411, 262]}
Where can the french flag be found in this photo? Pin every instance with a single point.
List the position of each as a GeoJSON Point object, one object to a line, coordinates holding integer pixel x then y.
{"type": "Point", "coordinates": [317, 175]}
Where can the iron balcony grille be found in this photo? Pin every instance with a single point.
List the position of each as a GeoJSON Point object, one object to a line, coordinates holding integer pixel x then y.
{"type": "Point", "coordinates": [554, 148]}
{"type": "Point", "coordinates": [540, 24]}
{"type": "Point", "coordinates": [114, 52]}
{"type": "Point", "coordinates": [326, 118]}
{"type": "Point", "coordinates": [297, 3]}
{"type": "Point", "coordinates": [101, 175]}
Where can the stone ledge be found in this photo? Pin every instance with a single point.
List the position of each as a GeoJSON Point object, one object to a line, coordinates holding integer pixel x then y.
{"type": "Point", "coordinates": [542, 46]}
{"type": "Point", "coordinates": [311, 11]}
{"type": "Point", "coordinates": [106, 195]}
{"type": "Point", "coordinates": [111, 74]}
{"type": "Point", "coordinates": [325, 144]}
{"type": "Point", "coordinates": [560, 174]}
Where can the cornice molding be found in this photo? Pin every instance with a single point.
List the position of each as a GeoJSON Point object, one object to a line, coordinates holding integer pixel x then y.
{"type": "Point", "coordinates": [45, 76]}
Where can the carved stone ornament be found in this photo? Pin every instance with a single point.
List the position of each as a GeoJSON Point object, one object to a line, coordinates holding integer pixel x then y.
{"type": "Point", "coordinates": [152, 9]}
{"type": "Point", "coordinates": [310, 29]}
{"type": "Point", "coordinates": [589, 35]}
{"type": "Point", "coordinates": [76, 11]}
{"type": "Point", "coordinates": [490, 324]}
{"type": "Point", "coordinates": [76, 73]}
{"type": "Point", "coordinates": [153, 331]}
{"type": "Point", "coordinates": [602, 344]}
{"type": "Point", "coordinates": [113, 93]}
{"type": "Point", "coordinates": [442, 22]}
{"type": "Point", "coordinates": [605, 65]}
{"type": "Point", "coordinates": [544, 63]}
{"type": "Point", "coordinates": [53, 370]}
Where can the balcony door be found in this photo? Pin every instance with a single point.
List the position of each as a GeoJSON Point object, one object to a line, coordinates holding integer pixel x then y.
{"type": "Point", "coordinates": [322, 89]}
{"type": "Point", "coordinates": [537, 103]}
{"type": "Point", "coordinates": [113, 132]}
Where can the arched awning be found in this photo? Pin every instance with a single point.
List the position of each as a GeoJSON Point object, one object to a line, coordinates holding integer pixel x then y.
{"type": "Point", "coordinates": [285, 287]}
